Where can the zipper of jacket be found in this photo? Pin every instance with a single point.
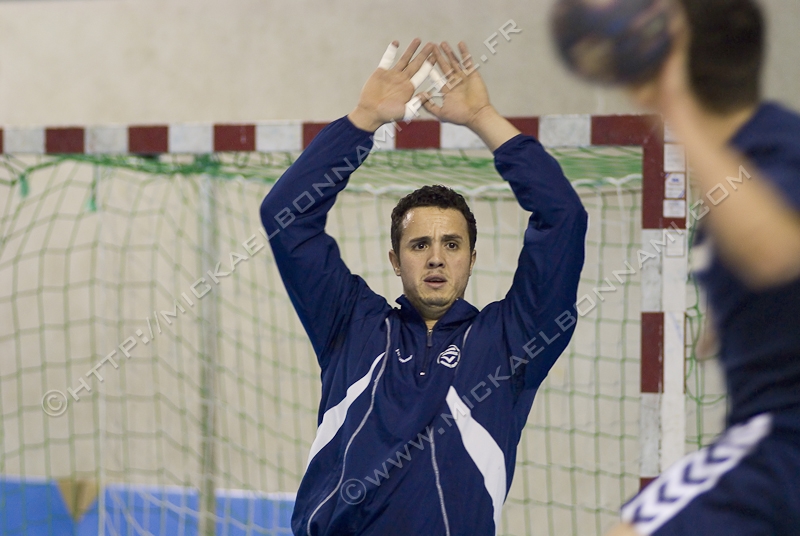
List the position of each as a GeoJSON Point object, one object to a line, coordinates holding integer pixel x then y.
{"type": "Point", "coordinates": [424, 371]}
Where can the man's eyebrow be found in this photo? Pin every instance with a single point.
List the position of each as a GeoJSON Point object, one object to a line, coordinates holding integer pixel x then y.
{"type": "Point", "coordinates": [445, 238]}
{"type": "Point", "coordinates": [418, 239]}
{"type": "Point", "coordinates": [452, 238]}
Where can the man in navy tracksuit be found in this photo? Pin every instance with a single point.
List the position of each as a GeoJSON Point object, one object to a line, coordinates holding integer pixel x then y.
{"type": "Point", "coordinates": [423, 406]}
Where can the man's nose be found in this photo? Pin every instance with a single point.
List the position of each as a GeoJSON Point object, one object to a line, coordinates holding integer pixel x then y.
{"type": "Point", "coordinates": [436, 259]}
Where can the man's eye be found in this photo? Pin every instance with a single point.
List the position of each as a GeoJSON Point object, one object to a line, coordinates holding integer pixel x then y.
{"type": "Point", "coordinates": [419, 246]}
{"type": "Point", "coordinates": [452, 245]}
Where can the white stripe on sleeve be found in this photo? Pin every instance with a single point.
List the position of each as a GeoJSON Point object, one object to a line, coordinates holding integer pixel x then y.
{"type": "Point", "coordinates": [334, 418]}
{"type": "Point", "coordinates": [484, 451]}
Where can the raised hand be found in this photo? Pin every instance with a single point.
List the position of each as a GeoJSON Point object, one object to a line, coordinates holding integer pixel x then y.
{"type": "Point", "coordinates": [669, 92]}
{"type": "Point", "coordinates": [465, 100]}
{"type": "Point", "coordinates": [385, 94]}
{"type": "Point", "coordinates": [464, 94]}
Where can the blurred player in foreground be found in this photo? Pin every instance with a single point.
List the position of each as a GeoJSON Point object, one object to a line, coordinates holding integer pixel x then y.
{"type": "Point", "coordinates": [423, 406]}
{"type": "Point", "coordinates": [745, 155]}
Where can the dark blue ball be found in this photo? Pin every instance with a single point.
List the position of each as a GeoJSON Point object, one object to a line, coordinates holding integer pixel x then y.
{"type": "Point", "coordinates": [613, 41]}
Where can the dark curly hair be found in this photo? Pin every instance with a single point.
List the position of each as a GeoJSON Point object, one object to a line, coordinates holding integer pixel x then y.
{"type": "Point", "coordinates": [726, 52]}
{"type": "Point", "coordinates": [432, 196]}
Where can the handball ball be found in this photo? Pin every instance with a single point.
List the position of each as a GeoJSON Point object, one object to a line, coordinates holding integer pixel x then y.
{"type": "Point", "coordinates": [613, 41]}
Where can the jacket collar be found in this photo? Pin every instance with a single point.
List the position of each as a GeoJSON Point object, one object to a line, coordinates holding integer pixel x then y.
{"type": "Point", "coordinates": [461, 311]}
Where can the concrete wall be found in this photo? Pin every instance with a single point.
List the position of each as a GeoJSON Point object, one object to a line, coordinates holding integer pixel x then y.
{"type": "Point", "coordinates": [145, 61]}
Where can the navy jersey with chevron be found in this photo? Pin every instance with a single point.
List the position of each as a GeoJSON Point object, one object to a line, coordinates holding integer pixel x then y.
{"type": "Point", "coordinates": [746, 482]}
{"type": "Point", "coordinates": [759, 331]}
{"type": "Point", "coordinates": [418, 431]}
{"type": "Point", "coordinates": [743, 484]}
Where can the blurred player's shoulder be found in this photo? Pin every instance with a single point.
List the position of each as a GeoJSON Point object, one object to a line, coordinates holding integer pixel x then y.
{"type": "Point", "coordinates": [776, 117]}
{"type": "Point", "coordinates": [771, 141]}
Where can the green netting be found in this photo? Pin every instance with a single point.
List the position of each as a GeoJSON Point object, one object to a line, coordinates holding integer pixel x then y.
{"type": "Point", "coordinates": [706, 403]}
{"type": "Point", "coordinates": [224, 394]}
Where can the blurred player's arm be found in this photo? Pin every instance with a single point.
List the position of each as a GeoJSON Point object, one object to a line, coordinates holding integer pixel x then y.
{"type": "Point", "coordinates": [623, 529]}
{"type": "Point", "coordinates": [755, 228]}
{"type": "Point", "coordinates": [543, 293]}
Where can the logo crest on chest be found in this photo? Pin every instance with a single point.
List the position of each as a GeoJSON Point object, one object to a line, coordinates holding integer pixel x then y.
{"type": "Point", "coordinates": [450, 357]}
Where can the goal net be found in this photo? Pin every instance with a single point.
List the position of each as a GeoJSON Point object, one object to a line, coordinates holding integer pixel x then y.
{"type": "Point", "coordinates": [154, 378]}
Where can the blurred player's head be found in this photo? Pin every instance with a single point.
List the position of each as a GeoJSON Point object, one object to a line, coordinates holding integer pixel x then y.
{"type": "Point", "coordinates": [433, 247]}
{"type": "Point", "coordinates": [726, 52]}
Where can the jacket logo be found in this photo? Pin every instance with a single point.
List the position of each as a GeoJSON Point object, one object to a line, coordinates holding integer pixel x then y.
{"type": "Point", "coordinates": [400, 356]}
{"type": "Point", "coordinates": [450, 357]}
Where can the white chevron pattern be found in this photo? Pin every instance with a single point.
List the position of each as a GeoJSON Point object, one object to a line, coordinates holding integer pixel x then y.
{"type": "Point", "coordinates": [693, 475]}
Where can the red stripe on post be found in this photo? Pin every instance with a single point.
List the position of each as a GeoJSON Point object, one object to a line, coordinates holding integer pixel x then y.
{"type": "Point", "coordinates": [63, 141]}
{"type": "Point", "coordinates": [421, 134]}
{"type": "Point", "coordinates": [310, 131]}
{"type": "Point", "coordinates": [644, 482]}
{"type": "Point", "coordinates": [2, 150]}
{"type": "Point", "coordinates": [527, 125]}
{"type": "Point", "coordinates": [148, 140]}
{"type": "Point", "coordinates": [625, 129]}
{"type": "Point", "coordinates": [652, 365]}
{"type": "Point", "coordinates": [234, 137]}
{"type": "Point", "coordinates": [648, 132]}
{"type": "Point", "coordinates": [654, 186]}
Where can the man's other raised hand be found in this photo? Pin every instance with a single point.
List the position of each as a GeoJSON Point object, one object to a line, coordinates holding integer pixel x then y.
{"type": "Point", "coordinates": [464, 98]}
{"type": "Point", "coordinates": [390, 88]}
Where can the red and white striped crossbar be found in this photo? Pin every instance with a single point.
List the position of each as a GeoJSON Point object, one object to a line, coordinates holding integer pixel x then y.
{"type": "Point", "coordinates": [274, 136]}
{"type": "Point", "coordinates": [662, 424]}
{"type": "Point", "coordinates": [198, 138]}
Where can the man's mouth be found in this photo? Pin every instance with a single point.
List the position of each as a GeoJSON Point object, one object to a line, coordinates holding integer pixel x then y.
{"type": "Point", "coordinates": [435, 281]}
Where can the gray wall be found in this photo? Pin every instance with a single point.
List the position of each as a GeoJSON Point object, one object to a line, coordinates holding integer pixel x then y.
{"type": "Point", "coordinates": [143, 61]}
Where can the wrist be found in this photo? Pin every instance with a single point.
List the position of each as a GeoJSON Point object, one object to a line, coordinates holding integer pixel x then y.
{"type": "Point", "coordinates": [364, 119]}
{"type": "Point", "coordinates": [491, 127]}
{"type": "Point", "coordinates": [482, 119]}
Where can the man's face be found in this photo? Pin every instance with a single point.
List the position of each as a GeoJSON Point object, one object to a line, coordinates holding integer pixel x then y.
{"type": "Point", "coordinates": [434, 260]}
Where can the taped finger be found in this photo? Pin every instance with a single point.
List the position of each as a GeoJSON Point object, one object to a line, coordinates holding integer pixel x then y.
{"type": "Point", "coordinates": [422, 74]}
{"type": "Point", "coordinates": [412, 109]}
{"type": "Point", "coordinates": [388, 57]}
{"type": "Point", "coordinates": [438, 80]}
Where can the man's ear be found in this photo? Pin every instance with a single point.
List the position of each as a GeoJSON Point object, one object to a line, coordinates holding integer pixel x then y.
{"type": "Point", "coordinates": [472, 260]}
{"type": "Point", "coordinates": [395, 260]}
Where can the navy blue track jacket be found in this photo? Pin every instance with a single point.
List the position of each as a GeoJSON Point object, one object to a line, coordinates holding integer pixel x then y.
{"type": "Point", "coordinates": [398, 452]}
